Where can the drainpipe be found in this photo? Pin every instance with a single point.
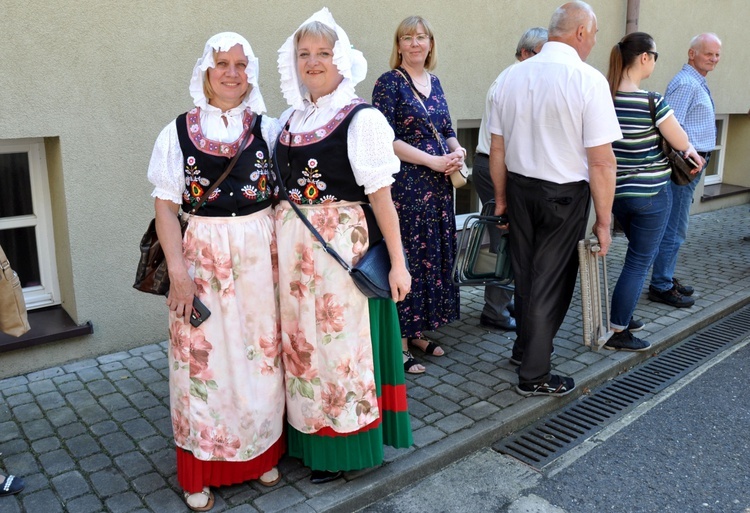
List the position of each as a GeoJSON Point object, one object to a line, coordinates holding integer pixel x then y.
{"type": "Point", "coordinates": [631, 22]}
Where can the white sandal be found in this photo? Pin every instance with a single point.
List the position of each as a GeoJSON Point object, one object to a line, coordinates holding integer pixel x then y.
{"type": "Point", "coordinates": [191, 499]}
{"type": "Point", "coordinates": [270, 478]}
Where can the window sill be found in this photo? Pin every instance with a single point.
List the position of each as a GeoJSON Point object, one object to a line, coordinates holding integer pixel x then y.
{"type": "Point", "coordinates": [722, 190]}
{"type": "Point", "coordinates": [47, 325]}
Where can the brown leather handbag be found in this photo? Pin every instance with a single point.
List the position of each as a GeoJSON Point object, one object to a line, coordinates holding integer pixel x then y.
{"type": "Point", "coordinates": [152, 275]}
{"type": "Point", "coordinates": [13, 318]}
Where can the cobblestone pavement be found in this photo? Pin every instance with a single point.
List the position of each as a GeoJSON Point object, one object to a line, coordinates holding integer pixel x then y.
{"type": "Point", "coordinates": [95, 435]}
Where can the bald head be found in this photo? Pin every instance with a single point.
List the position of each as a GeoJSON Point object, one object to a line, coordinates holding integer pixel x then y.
{"type": "Point", "coordinates": [568, 17]}
{"type": "Point", "coordinates": [704, 52]}
{"type": "Point", "coordinates": [701, 39]}
{"type": "Point", "coordinates": [574, 24]}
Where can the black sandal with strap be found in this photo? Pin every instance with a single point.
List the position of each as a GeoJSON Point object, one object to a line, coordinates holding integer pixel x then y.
{"type": "Point", "coordinates": [411, 362]}
{"type": "Point", "coordinates": [429, 348]}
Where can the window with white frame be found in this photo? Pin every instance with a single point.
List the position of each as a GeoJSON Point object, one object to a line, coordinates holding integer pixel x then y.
{"type": "Point", "coordinates": [715, 170]}
{"type": "Point", "coordinates": [26, 232]}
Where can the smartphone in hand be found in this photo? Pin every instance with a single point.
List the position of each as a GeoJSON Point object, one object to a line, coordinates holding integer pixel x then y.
{"type": "Point", "coordinates": [693, 164]}
{"type": "Point", "coordinates": [200, 313]}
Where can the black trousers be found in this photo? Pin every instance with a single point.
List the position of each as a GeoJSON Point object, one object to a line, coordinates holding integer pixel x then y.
{"type": "Point", "coordinates": [546, 222]}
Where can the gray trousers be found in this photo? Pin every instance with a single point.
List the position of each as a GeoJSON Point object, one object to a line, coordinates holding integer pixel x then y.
{"type": "Point", "coordinates": [496, 299]}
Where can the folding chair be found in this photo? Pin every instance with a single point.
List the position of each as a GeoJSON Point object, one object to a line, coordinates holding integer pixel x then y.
{"type": "Point", "coordinates": [484, 255]}
{"type": "Point", "coordinates": [594, 292]}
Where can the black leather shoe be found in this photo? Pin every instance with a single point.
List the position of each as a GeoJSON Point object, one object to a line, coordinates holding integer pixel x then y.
{"type": "Point", "coordinates": [323, 476]}
{"type": "Point", "coordinates": [670, 297]}
{"type": "Point", "coordinates": [509, 325]}
{"type": "Point", "coordinates": [685, 290]}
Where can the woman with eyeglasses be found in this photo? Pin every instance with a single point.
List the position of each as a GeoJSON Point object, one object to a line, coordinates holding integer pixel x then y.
{"type": "Point", "coordinates": [642, 194]}
{"type": "Point", "coordinates": [414, 104]}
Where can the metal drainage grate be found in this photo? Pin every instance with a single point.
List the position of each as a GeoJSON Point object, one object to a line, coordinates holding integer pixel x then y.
{"type": "Point", "coordinates": [547, 439]}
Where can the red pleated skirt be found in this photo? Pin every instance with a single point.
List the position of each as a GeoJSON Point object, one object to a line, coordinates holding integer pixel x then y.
{"type": "Point", "coordinates": [193, 474]}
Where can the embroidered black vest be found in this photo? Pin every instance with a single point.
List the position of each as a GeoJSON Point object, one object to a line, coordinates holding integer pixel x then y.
{"type": "Point", "coordinates": [315, 167]}
{"type": "Point", "coordinates": [248, 187]}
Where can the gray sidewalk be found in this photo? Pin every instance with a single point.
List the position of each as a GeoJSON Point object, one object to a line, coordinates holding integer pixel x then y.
{"type": "Point", "coordinates": [95, 435]}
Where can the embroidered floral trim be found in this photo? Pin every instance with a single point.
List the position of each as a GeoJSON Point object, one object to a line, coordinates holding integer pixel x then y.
{"type": "Point", "coordinates": [305, 138]}
{"type": "Point", "coordinates": [210, 146]}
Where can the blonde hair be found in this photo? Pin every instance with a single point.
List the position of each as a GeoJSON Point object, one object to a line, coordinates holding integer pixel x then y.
{"type": "Point", "coordinates": [315, 29]}
{"type": "Point", "coordinates": [410, 25]}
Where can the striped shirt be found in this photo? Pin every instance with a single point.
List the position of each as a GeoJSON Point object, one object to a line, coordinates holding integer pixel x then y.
{"type": "Point", "coordinates": [642, 168]}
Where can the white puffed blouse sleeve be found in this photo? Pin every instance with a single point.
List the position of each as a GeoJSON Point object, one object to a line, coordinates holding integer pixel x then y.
{"type": "Point", "coordinates": [165, 170]}
{"type": "Point", "coordinates": [270, 128]}
{"type": "Point", "coordinates": [370, 149]}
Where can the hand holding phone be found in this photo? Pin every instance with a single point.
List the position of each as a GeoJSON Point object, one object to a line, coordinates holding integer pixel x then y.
{"type": "Point", "coordinates": [200, 313]}
{"type": "Point", "coordinates": [690, 161]}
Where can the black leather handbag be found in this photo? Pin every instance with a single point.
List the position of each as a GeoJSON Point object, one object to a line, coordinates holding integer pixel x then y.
{"type": "Point", "coordinates": [370, 274]}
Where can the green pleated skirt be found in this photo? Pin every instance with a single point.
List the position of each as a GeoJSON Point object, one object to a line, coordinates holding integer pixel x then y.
{"type": "Point", "coordinates": [364, 448]}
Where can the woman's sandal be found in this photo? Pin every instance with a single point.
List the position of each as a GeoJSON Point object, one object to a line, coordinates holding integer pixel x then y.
{"type": "Point", "coordinates": [410, 363]}
{"type": "Point", "coordinates": [270, 478]}
{"type": "Point", "coordinates": [429, 348]}
{"type": "Point", "coordinates": [195, 497]}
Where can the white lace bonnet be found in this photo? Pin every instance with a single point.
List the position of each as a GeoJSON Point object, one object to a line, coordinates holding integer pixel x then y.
{"type": "Point", "coordinates": [223, 42]}
{"type": "Point", "coordinates": [350, 62]}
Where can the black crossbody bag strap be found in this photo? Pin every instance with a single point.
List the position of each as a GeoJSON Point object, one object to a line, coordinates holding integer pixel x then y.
{"type": "Point", "coordinates": [285, 196]}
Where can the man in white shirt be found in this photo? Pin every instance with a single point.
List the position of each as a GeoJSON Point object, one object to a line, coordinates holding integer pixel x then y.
{"type": "Point", "coordinates": [498, 311]}
{"type": "Point", "coordinates": [552, 126]}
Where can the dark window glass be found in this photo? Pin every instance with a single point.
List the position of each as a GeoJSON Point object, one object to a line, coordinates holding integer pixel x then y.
{"type": "Point", "coordinates": [19, 244]}
{"type": "Point", "coordinates": [15, 185]}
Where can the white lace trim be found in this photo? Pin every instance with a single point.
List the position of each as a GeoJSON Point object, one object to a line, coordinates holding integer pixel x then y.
{"type": "Point", "coordinates": [166, 170]}
{"type": "Point", "coordinates": [370, 141]}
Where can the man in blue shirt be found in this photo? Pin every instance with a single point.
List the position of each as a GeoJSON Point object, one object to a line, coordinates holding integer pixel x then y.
{"type": "Point", "coordinates": [690, 98]}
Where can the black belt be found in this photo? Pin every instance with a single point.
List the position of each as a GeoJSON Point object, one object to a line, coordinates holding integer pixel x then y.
{"type": "Point", "coordinates": [704, 154]}
{"type": "Point", "coordinates": [480, 154]}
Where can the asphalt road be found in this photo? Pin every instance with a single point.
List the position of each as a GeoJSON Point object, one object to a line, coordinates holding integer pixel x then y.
{"type": "Point", "coordinates": [685, 450]}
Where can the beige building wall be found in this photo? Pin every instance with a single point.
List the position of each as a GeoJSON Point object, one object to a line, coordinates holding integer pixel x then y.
{"type": "Point", "coordinates": [99, 80]}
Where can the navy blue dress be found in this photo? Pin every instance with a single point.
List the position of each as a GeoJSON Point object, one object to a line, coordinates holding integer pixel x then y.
{"type": "Point", "coordinates": [424, 202]}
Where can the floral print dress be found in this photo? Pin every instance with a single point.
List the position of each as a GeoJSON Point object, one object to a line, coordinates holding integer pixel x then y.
{"type": "Point", "coordinates": [345, 388]}
{"type": "Point", "coordinates": [425, 199]}
{"type": "Point", "coordinates": [225, 376]}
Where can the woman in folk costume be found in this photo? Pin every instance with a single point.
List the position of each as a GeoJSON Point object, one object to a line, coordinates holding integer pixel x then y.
{"type": "Point", "coordinates": [345, 388]}
{"type": "Point", "coordinates": [225, 379]}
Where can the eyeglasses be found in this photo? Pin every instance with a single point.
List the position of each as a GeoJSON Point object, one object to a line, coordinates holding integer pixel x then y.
{"type": "Point", "coordinates": [655, 54]}
{"type": "Point", "coordinates": [419, 38]}
{"type": "Point", "coordinates": [533, 51]}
